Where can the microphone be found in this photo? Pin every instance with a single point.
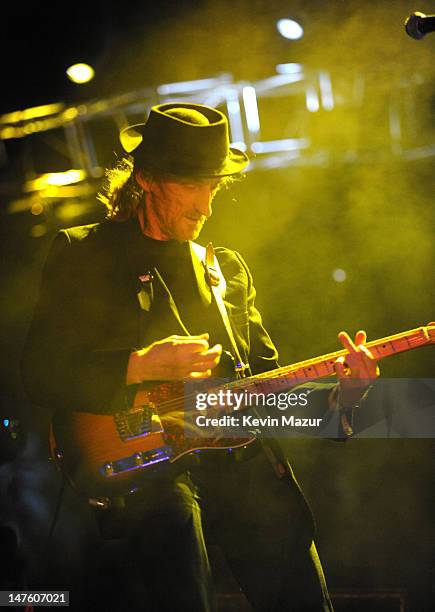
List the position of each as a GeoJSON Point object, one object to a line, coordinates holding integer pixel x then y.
{"type": "Point", "coordinates": [418, 25]}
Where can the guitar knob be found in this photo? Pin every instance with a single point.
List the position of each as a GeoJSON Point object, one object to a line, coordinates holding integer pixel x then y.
{"type": "Point", "coordinates": [138, 458]}
{"type": "Point", "coordinates": [108, 468]}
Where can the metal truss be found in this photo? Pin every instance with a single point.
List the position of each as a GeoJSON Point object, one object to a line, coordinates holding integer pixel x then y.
{"type": "Point", "coordinates": [271, 119]}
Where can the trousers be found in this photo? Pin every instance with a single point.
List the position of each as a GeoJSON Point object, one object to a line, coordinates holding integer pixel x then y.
{"type": "Point", "coordinates": [262, 524]}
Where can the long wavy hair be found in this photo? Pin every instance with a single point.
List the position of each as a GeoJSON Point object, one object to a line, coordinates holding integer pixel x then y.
{"type": "Point", "coordinates": [123, 196]}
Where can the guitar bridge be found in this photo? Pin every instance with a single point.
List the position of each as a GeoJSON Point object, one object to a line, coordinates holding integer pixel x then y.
{"type": "Point", "coordinates": [137, 461]}
{"type": "Point", "coordinates": [134, 423]}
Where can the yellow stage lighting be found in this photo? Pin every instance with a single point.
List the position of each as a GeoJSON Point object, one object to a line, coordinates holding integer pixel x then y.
{"type": "Point", "coordinates": [80, 73]}
{"type": "Point", "coordinates": [289, 28]}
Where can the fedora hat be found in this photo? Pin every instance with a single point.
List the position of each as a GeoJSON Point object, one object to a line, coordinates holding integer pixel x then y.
{"type": "Point", "coordinates": [184, 140]}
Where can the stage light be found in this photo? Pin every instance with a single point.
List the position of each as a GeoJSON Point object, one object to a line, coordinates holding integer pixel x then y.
{"type": "Point", "coordinates": [339, 275]}
{"type": "Point", "coordinates": [65, 178]}
{"type": "Point", "coordinates": [290, 68]}
{"type": "Point", "coordinates": [37, 209]}
{"type": "Point", "coordinates": [55, 179]}
{"type": "Point", "coordinates": [32, 113]}
{"type": "Point", "coordinates": [235, 119]}
{"type": "Point", "coordinates": [289, 28]}
{"type": "Point", "coordinates": [80, 73]}
{"type": "Point", "coordinates": [312, 99]}
{"type": "Point", "coordinates": [251, 109]}
{"type": "Point", "coordinates": [326, 90]}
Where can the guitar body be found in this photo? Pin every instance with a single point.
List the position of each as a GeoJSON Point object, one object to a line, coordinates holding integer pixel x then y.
{"type": "Point", "coordinates": [107, 455]}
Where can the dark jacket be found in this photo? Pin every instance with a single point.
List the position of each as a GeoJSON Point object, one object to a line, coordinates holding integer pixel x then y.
{"type": "Point", "coordinates": [88, 317]}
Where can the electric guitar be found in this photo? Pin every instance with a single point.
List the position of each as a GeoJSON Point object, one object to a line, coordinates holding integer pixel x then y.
{"type": "Point", "coordinates": [112, 454]}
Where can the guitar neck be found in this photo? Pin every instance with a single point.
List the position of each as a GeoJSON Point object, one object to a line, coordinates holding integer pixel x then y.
{"type": "Point", "coordinates": [287, 377]}
{"type": "Point", "coordinates": [311, 369]}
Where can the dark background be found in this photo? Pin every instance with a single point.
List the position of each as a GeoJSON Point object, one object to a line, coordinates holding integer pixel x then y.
{"type": "Point", "coordinates": [363, 206]}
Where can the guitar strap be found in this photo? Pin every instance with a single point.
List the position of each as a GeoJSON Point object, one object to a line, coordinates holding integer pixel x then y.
{"type": "Point", "coordinates": [216, 281]}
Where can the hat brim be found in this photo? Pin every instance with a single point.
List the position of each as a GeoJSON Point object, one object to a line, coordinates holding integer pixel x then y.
{"type": "Point", "coordinates": [132, 137]}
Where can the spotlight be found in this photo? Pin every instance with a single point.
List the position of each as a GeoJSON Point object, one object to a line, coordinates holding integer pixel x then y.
{"type": "Point", "coordinates": [339, 275]}
{"type": "Point", "coordinates": [289, 68]}
{"type": "Point", "coordinates": [289, 28]}
{"type": "Point", "coordinates": [80, 73]}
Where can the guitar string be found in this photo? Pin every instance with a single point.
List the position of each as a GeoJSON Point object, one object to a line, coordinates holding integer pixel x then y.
{"type": "Point", "coordinates": [292, 370]}
{"type": "Point", "coordinates": [417, 335]}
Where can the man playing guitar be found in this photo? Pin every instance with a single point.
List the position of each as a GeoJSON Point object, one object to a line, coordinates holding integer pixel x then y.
{"type": "Point", "coordinates": [126, 302]}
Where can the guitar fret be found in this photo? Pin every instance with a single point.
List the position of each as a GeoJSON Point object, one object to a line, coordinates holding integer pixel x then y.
{"type": "Point", "coordinates": [316, 371]}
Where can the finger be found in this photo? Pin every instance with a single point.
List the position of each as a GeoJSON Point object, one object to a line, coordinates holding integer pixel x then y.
{"type": "Point", "coordinates": [360, 337]}
{"type": "Point", "coordinates": [199, 345]}
{"type": "Point", "coordinates": [216, 349]}
{"type": "Point", "coordinates": [189, 361]}
{"type": "Point", "coordinates": [211, 353]}
{"type": "Point", "coordinates": [341, 367]}
{"type": "Point", "coordinates": [199, 336]}
{"type": "Point", "coordinates": [204, 374]}
{"type": "Point", "coordinates": [187, 338]}
{"type": "Point", "coordinates": [189, 355]}
{"type": "Point", "coordinates": [363, 349]}
{"type": "Point", "coordinates": [362, 366]}
{"type": "Point", "coordinates": [199, 340]}
{"type": "Point", "coordinates": [363, 359]}
{"type": "Point", "coordinates": [347, 341]}
{"type": "Point", "coordinates": [206, 365]}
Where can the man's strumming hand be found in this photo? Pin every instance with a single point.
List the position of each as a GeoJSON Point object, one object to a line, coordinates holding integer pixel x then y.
{"type": "Point", "coordinates": [174, 358]}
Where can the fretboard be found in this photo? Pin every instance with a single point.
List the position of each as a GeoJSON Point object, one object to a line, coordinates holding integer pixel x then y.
{"type": "Point", "coordinates": [305, 371]}
{"type": "Point", "coordinates": [287, 377]}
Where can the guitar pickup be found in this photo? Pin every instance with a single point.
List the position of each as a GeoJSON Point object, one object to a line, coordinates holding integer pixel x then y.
{"type": "Point", "coordinates": [139, 460]}
{"type": "Point", "coordinates": [135, 423]}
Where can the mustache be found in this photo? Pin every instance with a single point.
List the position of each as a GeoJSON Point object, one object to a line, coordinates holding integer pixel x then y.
{"type": "Point", "coordinates": [196, 217]}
